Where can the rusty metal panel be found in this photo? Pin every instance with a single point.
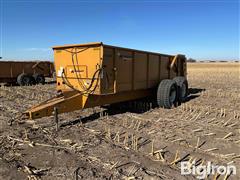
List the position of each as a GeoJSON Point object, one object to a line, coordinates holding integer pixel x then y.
{"type": "Point", "coordinates": [27, 68]}
{"type": "Point", "coordinates": [164, 68]}
{"type": "Point", "coordinates": [181, 67]}
{"type": "Point", "coordinates": [153, 70]}
{"type": "Point", "coordinates": [10, 70]}
{"type": "Point", "coordinates": [45, 68]}
{"type": "Point", "coordinates": [17, 68]}
{"type": "Point", "coordinates": [140, 73]}
{"type": "Point", "coordinates": [124, 72]}
{"type": "Point", "coordinates": [5, 69]}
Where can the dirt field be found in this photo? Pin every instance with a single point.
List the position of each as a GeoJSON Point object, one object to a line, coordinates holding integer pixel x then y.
{"type": "Point", "coordinates": [117, 143]}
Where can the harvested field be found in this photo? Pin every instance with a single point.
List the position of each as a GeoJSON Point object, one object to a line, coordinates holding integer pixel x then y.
{"type": "Point", "coordinates": [116, 143]}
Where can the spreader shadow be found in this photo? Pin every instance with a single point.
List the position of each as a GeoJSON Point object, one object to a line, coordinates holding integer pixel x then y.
{"type": "Point", "coordinates": [137, 106]}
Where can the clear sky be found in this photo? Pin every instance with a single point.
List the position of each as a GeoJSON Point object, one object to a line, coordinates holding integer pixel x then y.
{"type": "Point", "coordinates": [200, 29]}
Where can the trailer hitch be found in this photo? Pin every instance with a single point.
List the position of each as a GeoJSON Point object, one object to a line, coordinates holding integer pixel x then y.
{"type": "Point", "coordinates": [67, 102]}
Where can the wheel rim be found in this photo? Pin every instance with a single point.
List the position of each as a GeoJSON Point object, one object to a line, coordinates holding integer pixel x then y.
{"type": "Point", "coordinates": [25, 80]}
{"type": "Point", "coordinates": [40, 79]}
{"type": "Point", "coordinates": [173, 94]}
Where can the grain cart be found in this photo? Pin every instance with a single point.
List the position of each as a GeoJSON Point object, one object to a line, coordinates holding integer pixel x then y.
{"type": "Point", "coordinates": [96, 74]}
{"type": "Point", "coordinates": [25, 72]}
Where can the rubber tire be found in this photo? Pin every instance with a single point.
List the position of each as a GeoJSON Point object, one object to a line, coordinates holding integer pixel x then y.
{"type": "Point", "coordinates": [163, 93]}
{"type": "Point", "coordinates": [39, 78]}
{"type": "Point", "coordinates": [181, 83]}
{"type": "Point", "coordinates": [24, 79]}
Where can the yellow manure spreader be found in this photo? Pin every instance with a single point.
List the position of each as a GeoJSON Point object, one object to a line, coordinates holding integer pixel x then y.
{"type": "Point", "coordinates": [96, 74]}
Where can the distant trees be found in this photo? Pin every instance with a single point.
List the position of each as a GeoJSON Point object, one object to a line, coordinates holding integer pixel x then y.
{"type": "Point", "coordinates": [191, 60]}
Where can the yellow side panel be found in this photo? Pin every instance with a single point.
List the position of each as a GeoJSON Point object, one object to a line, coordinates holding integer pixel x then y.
{"type": "Point", "coordinates": [123, 70]}
{"type": "Point", "coordinates": [79, 65]}
{"type": "Point", "coordinates": [140, 70]}
{"type": "Point", "coordinates": [107, 83]}
{"type": "Point", "coordinates": [81, 70]}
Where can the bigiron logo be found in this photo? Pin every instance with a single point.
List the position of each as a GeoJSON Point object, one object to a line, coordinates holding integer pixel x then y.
{"type": "Point", "coordinates": [202, 171]}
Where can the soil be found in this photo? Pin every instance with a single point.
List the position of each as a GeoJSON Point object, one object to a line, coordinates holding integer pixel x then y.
{"type": "Point", "coordinates": [140, 142]}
